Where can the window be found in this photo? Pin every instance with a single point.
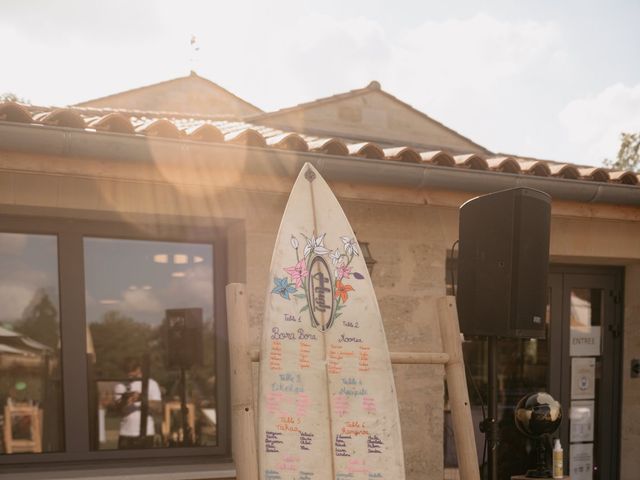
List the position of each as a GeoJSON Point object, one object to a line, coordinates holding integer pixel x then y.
{"type": "Point", "coordinates": [31, 398]}
{"type": "Point", "coordinates": [111, 342]}
{"type": "Point", "coordinates": [130, 285]}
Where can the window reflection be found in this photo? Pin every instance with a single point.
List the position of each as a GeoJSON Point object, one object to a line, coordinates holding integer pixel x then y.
{"type": "Point", "coordinates": [142, 392]}
{"type": "Point", "coordinates": [587, 312]}
{"type": "Point", "coordinates": [522, 368]}
{"type": "Point", "coordinates": [30, 393]}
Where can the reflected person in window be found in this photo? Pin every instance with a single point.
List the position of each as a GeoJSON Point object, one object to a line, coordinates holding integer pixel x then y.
{"type": "Point", "coordinates": [128, 401]}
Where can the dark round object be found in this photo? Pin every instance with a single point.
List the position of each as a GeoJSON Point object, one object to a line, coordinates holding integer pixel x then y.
{"type": "Point", "coordinates": [538, 414]}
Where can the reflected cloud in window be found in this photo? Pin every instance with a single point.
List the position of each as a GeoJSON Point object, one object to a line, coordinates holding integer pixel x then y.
{"type": "Point", "coordinates": [130, 286]}
{"type": "Point", "coordinates": [30, 383]}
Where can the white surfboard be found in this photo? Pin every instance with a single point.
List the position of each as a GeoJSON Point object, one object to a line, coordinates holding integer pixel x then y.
{"type": "Point", "coordinates": [327, 404]}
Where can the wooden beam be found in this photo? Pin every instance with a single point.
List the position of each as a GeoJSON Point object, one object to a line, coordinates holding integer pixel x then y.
{"type": "Point", "coordinates": [243, 424]}
{"type": "Point", "coordinates": [457, 388]}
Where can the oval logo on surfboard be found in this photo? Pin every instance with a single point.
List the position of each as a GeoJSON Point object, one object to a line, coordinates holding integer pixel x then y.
{"type": "Point", "coordinates": [320, 294]}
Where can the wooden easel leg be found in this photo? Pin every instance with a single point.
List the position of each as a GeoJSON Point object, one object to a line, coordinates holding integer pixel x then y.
{"type": "Point", "coordinates": [243, 426]}
{"type": "Point", "coordinates": [457, 387]}
{"type": "Point", "coordinates": [8, 434]}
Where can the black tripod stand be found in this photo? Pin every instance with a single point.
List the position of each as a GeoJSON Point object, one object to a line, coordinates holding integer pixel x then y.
{"type": "Point", "coordinates": [489, 426]}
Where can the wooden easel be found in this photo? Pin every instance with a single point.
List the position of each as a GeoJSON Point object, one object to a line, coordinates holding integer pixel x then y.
{"type": "Point", "coordinates": [243, 418]}
{"type": "Point", "coordinates": [174, 406]}
{"type": "Point", "coordinates": [33, 413]}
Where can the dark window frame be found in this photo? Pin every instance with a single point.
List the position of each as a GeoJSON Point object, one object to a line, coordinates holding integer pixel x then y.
{"type": "Point", "coordinates": [70, 234]}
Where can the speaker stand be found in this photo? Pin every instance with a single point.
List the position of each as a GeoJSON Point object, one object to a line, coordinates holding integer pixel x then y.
{"type": "Point", "coordinates": [144, 395]}
{"type": "Point", "coordinates": [184, 410]}
{"type": "Point", "coordinates": [489, 426]}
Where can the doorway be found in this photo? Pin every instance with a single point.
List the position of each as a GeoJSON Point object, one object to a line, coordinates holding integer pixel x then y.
{"type": "Point", "coordinates": [578, 363]}
{"type": "Point", "coordinates": [585, 366]}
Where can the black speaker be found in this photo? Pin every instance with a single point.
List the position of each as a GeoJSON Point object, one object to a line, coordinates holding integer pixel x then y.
{"type": "Point", "coordinates": [503, 263]}
{"type": "Point", "coordinates": [184, 337]}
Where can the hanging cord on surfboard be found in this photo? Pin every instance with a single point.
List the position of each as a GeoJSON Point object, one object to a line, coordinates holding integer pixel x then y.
{"type": "Point", "coordinates": [452, 272]}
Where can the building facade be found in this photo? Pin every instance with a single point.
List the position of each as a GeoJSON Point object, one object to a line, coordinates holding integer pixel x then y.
{"type": "Point", "coordinates": [118, 211]}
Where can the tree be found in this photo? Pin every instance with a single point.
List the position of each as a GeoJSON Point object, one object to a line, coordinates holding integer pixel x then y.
{"type": "Point", "coordinates": [115, 338]}
{"type": "Point", "coordinates": [12, 97]}
{"type": "Point", "coordinates": [628, 157]}
{"type": "Point", "coordinates": [40, 320]}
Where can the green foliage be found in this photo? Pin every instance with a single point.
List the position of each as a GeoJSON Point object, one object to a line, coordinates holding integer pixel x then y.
{"type": "Point", "coordinates": [628, 157]}
{"type": "Point", "coordinates": [12, 97]}
{"type": "Point", "coordinates": [40, 321]}
{"type": "Point", "coordinates": [116, 338]}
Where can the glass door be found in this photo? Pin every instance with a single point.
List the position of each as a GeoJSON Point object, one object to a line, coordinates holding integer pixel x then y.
{"type": "Point", "coordinates": [578, 362]}
{"type": "Point", "coordinates": [585, 367]}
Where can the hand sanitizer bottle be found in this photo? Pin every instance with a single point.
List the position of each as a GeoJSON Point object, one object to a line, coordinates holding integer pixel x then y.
{"type": "Point", "coordinates": [557, 459]}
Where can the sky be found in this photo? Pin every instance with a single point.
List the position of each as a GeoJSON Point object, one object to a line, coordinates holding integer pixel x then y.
{"type": "Point", "coordinates": [547, 79]}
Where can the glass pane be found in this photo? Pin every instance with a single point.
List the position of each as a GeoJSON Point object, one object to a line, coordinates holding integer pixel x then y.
{"type": "Point", "coordinates": [523, 368]}
{"type": "Point", "coordinates": [151, 327]}
{"type": "Point", "coordinates": [30, 386]}
{"type": "Point", "coordinates": [586, 320]}
{"type": "Point", "coordinates": [586, 373]}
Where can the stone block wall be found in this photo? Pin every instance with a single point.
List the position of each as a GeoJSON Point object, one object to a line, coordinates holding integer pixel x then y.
{"type": "Point", "coordinates": [409, 241]}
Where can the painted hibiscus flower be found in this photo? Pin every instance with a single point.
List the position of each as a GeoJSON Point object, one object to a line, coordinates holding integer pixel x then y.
{"type": "Point", "coordinates": [342, 271]}
{"type": "Point", "coordinates": [298, 272]}
{"type": "Point", "coordinates": [283, 287]}
{"type": "Point", "coordinates": [342, 291]}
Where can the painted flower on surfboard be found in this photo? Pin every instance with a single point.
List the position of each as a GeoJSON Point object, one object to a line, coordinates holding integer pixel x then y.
{"type": "Point", "coordinates": [318, 278]}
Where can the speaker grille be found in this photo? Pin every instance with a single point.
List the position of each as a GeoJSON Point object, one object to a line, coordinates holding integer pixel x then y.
{"type": "Point", "coordinates": [503, 263]}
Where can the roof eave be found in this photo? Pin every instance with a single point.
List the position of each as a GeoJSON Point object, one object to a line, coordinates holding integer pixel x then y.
{"type": "Point", "coordinates": [59, 141]}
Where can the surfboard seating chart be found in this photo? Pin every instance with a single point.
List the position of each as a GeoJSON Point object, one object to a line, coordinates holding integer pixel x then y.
{"type": "Point", "coordinates": [327, 403]}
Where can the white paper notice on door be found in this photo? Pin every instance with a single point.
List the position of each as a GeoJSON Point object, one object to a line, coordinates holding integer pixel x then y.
{"type": "Point", "coordinates": [583, 378]}
{"type": "Point", "coordinates": [585, 341]}
{"type": "Point", "coordinates": [581, 461]}
{"type": "Point", "coordinates": [582, 420]}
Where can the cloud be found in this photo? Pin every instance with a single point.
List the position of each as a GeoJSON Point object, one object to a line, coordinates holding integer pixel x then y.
{"type": "Point", "coordinates": [471, 73]}
{"type": "Point", "coordinates": [12, 243]}
{"type": "Point", "coordinates": [494, 80]}
{"type": "Point", "coordinates": [140, 301]}
{"type": "Point", "coordinates": [14, 298]}
{"type": "Point", "coordinates": [593, 123]}
{"type": "Point", "coordinates": [480, 50]}
{"type": "Point", "coordinates": [195, 289]}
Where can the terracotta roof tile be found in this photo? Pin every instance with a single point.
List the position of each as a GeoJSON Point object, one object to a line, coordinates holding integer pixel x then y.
{"type": "Point", "coordinates": [538, 168]}
{"type": "Point", "coordinates": [248, 137]}
{"type": "Point", "coordinates": [61, 117]}
{"type": "Point", "coordinates": [438, 157]}
{"type": "Point", "coordinates": [564, 170]}
{"type": "Point", "coordinates": [624, 177]}
{"type": "Point", "coordinates": [112, 122]}
{"type": "Point", "coordinates": [14, 112]}
{"type": "Point", "coordinates": [158, 128]}
{"type": "Point", "coordinates": [204, 132]}
{"type": "Point", "coordinates": [288, 141]}
{"type": "Point", "coordinates": [595, 174]}
{"type": "Point", "coordinates": [366, 149]}
{"type": "Point", "coordinates": [402, 154]}
{"type": "Point", "coordinates": [330, 146]}
{"type": "Point", "coordinates": [216, 129]}
{"type": "Point", "coordinates": [504, 164]}
{"type": "Point", "coordinates": [471, 161]}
